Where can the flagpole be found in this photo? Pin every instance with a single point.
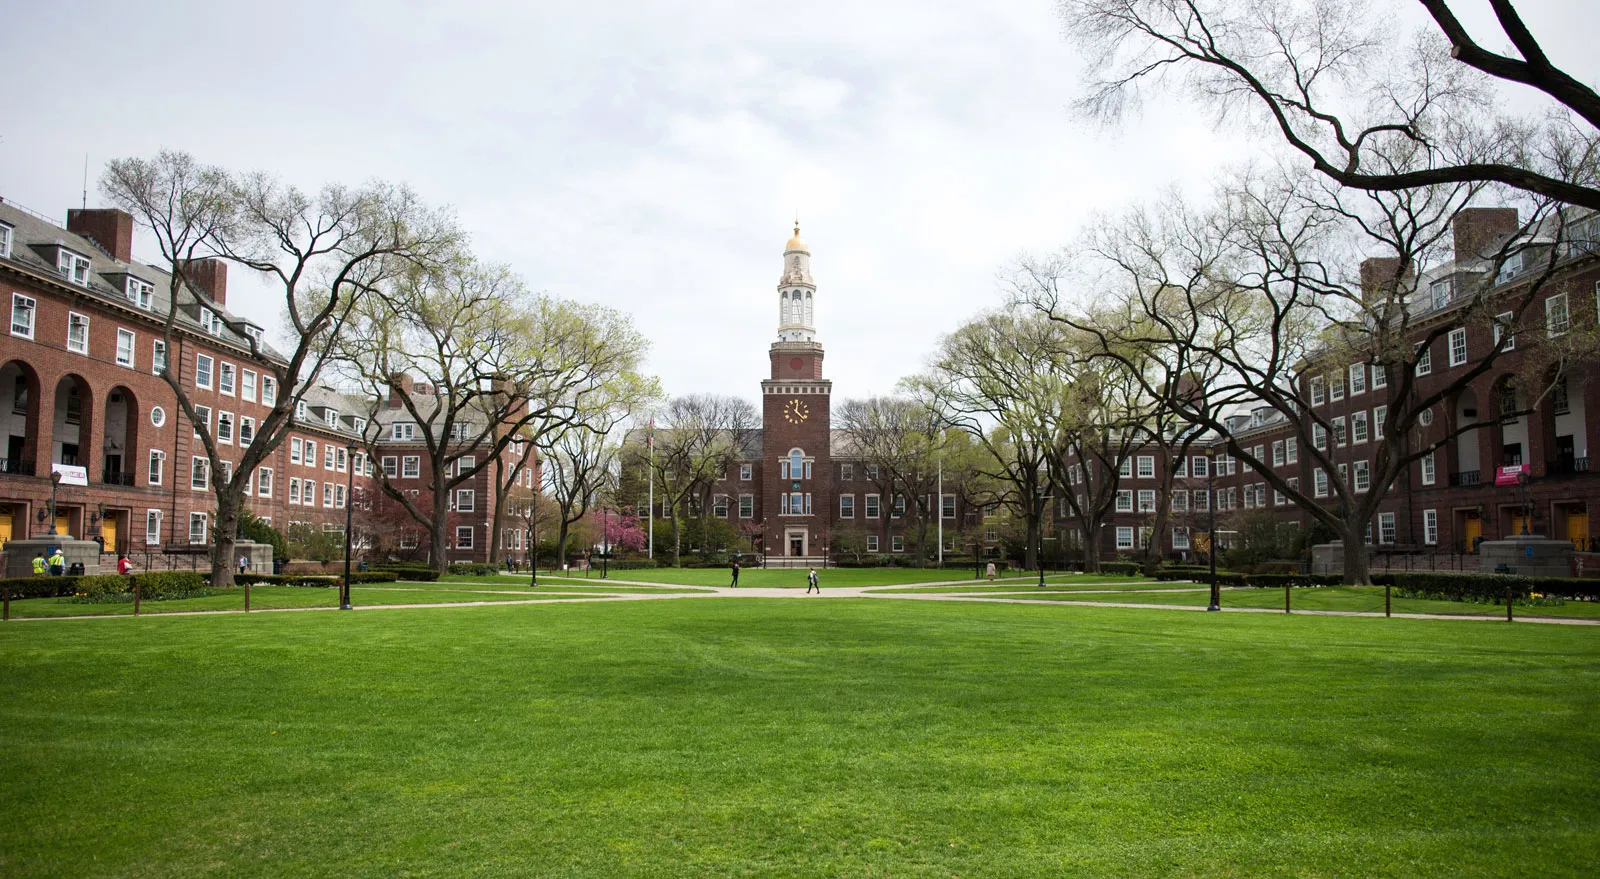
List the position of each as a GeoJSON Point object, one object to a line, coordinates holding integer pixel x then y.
{"type": "Point", "coordinates": [650, 477]}
{"type": "Point", "coordinates": [940, 512]}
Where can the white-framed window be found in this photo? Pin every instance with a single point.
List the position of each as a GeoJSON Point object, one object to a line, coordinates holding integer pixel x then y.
{"type": "Point", "coordinates": [311, 454]}
{"type": "Point", "coordinates": [203, 416]}
{"type": "Point", "coordinates": [247, 431]}
{"type": "Point", "coordinates": [125, 347]}
{"type": "Point", "coordinates": [294, 489]}
{"type": "Point", "coordinates": [747, 506]}
{"type": "Point", "coordinates": [1458, 346]}
{"type": "Point", "coordinates": [225, 428]}
{"type": "Point", "coordinates": [1277, 453]}
{"type": "Point", "coordinates": [247, 385]}
{"type": "Point", "coordinates": [847, 506]}
{"type": "Point", "coordinates": [152, 527]}
{"type": "Point", "coordinates": [329, 455]}
{"type": "Point", "coordinates": [5, 240]}
{"type": "Point", "coordinates": [871, 506]}
{"type": "Point", "coordinates": [847, 472]}
{"type": "Point", "coordinates": [466, 500]}
{"type": "Point", "coordinates": [1125, 468]}
{"type": "Point", "coordinates": [327, 494]}
{"type": "Point", "coordinates": [203, 366]}
{"type": "Point", "coordinates": [338, 497]}
{"type": "Point", "coordinates": [269, 391]}
{"type": "Point", "coordinates": [73, 266]}
{"type": "Point", "coordinates": [296, 450]}
{"type": "Point", "coordinates": [1336, 388]}
{"type": "Point", "coordinates": [1386, 533]}
{"type": "Point", "coordinates": [899, 507]}
{"type": "Point", "coordinates": [1319, 483]}
{"type": "Point", "coordinates": [1430, 527]}
{"type": "Point", "coordinates": [1358, 378]}
{"type": "Point", "coordinates": [1259, 453]}
{"type": "Point", "coordinates": [403, 431]}
{"type": "Point", "coordinates": [342, 459]}
{"type": "Point", "coordinates": [308, 492]}
{"type": "Point", "coordinates": [897, 543]}
{"type": "Point", "coordinates": [1147, 466]}
{"type": "Point", "coordinates": [1340, 437]}
{"type": "Point", "coordinates": [264, 482]}
{"type": "Point", "coordinates": [77, 333]}
{"type": "Point", "coordinates": [747, 472]}
{"type": "Point", "coordinates": [391, 466]}
{"type": "Point", "coordinates": [947, 506]}
{"type": "Point", "coordinates": [24, 311]}
{"type": "Point", "coordinates": [1147, 500]}
{"type": "Point", "coordinates": [158, 357]}
{"type": "Point", "coordinates": [301, 410]}
{"type": "Point", "coordinates": [1292, 447]}
{"type": "Point", "coordinates": [224, 472]}
{"type": "Point", "coordinates": [1180, 501]}
{"type": "Point", "coordinates": [1358, 426]}
{"type": "Point", "coordinates": [1124, 500]}
{"type": "Point", "coordinates": [197, 528]}
{"type": "Point", "coordinates": [463, 537]}
{"type": "Point", "coordinates": [1424, 359]}
{"type": "Point", "coordinates": [1504, 337]}
{"type": "Point", "coordinates": [1363, 476]}
{"type": "Point", "coordinates": [1180, 468]}
{"type": "Point", "coordinates": [1380, 415]}
{"type": "Point", "coordinates": [158, 460]}
{"type": "Point", "coordinates": [1557, 320]}
{"type": "Point", "coordinates": [1319, 436]}
{"type": "Point", "coordinates": [1202, 500]}
{"type": "Point", "coordinates": [1180, 537]}
{"type": "Point", "coordinates": [1344, 475]}
{"type": "Point", "coordinates": [1318, 396]}
{"type": "Point", "coordinates": [1198, 466]}
{"type": "Point", "coordinates": [199, 473]}
{"type": "Point", "coordinates": [1124, 537]}
{"type": "Point", "coordinates": [872, 543]}
{"type": "Point", "coordinates": [1380, 376]}
{"type": "Point", "coordinates": [411, 466]}
{"type": "Point", "coordinates": [1427, 464]}
{"type": "Point", "coordinates": [330, 417]}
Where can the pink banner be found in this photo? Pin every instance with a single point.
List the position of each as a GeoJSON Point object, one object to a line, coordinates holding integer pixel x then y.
{"type": "Point", "coordinates": [1508, 475]}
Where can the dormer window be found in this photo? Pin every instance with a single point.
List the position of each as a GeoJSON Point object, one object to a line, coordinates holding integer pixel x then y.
{"type": "Point", "coordinates": [140, 292]}
{"type": "Point", "coordinates": [210, 322]}
{"type": "Point", "coordinates": [360, 425]}
{"type": "Point", "coordinates": [402, 430]}
{"type": "Point", "coordinates": [331, 417]}
{"type": "Point", "coordinates": [1510, 268]}
{"type": "Point", "coordinates": [73, 266]}
{"type": "Point", "coordinates": [300, 410]}
{"type": "Point", "coordinates": [5, 240]}
{"type": "Point", "coordinates": [253, 332]}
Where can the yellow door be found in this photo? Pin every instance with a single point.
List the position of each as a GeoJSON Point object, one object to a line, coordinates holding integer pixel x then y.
{"type": "Point", "coordinates": [61, 524]}
{"type": "Point", "coordinates": [108, 533]}
{"type": "Point", "coordinates": [1578, 529]}
{"type": "Point", "coordinates": [5, 527]}
{"type": "Point", "coordinates": [1516, 526]}
{"type": "Point", "coordinates": [1472, 531]}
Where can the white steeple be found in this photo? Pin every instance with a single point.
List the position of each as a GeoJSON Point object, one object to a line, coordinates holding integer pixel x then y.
{"type": "Point", "coordinates": [796, 293]}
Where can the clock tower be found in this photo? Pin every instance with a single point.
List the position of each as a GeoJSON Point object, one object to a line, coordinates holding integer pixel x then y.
{"type": "Point", "coordinates": [796, 427]}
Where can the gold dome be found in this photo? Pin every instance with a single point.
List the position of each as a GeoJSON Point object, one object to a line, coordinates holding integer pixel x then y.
{"type": "Point", "coordinates": [795, 243]}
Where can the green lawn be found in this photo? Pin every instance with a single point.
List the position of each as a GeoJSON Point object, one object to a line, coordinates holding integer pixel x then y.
{"type": "Point", "coordinates": [1365, 599]}
{"type": "Point", "coordinates": [1052, 584]}
{"type": "Point", "coordinates": [796, 577]}
{"type": "Point", "coordinates": [797, 738]}
{"type": "Point", "coordinates": [277, 597]}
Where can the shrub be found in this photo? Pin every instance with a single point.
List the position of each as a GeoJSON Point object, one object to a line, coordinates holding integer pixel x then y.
{"type": "Point", "coordinates": [1278, 581]}
{"type": "Point", "coordinates": [1487, 588]}
{"type": "Point", "coordinates": [373, 577]}
{"type": "Point", "coordinates": [39, 587]}
{"type": "Point", "coordinates": [412, 573]}
{"type": "Point", "coordinates": [476, 569]}
{"type": "Point", "coordinates": [309, 580]}
{"type": "Point", "coordinates": [153, 586]}
{"type": "Point", "coordinates": [1123, 568]}
{"type": "Point", "coordinates": [633, 564]}
{"type": "Point", "coordinates": [1194, 572]}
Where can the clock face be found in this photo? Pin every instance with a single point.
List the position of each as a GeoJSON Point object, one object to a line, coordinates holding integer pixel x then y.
{"type": "Point", "coordinates": [795, 412]}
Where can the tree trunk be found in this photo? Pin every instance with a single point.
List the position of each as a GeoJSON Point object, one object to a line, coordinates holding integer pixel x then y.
{"type": "Point", "coordinates": [1091, 546]}
{"type": "Point", "coordinates": [1356, 572]}
{"type": "Point", "coordinates": [677, 542]}
{"type": "Point", "coordinates": [224, 535]}
{"type": "Point", "coordinates": [1030, 553]}
{"type": "Point", "coordinates": [437, 528]}
{"type": "Point", "coordinates": [495, 531]}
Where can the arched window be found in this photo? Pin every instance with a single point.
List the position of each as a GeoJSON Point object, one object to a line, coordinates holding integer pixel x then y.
{"type": "Point", "coordinates": [797, 463]}
{"type": "Point", "coordinates": [808, 310]}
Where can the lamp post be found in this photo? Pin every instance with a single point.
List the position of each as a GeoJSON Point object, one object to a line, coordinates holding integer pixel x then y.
{"type": "Point", "coordinates": [1044, 504]}
{"type": "Point", "coordinates": [1527, 508]}
{"type": "Point", "coordinates": [55, 482]}
{"type": "Point", "coordinates": [533, 542]}
{"type": "Point", "coordinates": [1211, 539]}
{"type": "Point", "coordinates": [349, 533]}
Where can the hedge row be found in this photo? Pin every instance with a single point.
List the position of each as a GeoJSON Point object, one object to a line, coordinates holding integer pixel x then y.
{"type": "Point", "coordinates": [153, 586]}
{"type": "Point", "coordinates": [413, 573]}
{"type": "Point", "coordinates": [1121, 568]}
{"type": "Point", "coordinates": [39, 587]}
{"type": "Point", "coordinates": [1234, 578]}
{"type": "Point", "coordinates": [475, 569]}
{"type": "Point", "coordinates": [1488, 587]}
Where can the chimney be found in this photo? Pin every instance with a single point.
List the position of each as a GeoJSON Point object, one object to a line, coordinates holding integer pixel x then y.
{"type": "Point", "coordinates": [108, 227]}
{"type": "Point", "coordinates": [397, 383]}
{"type": "Point", "coordinates": [1475, 229]}
{"type": "Point", "coordinates": [1381, 277]}
{"type": "Point", "coordinates": [211, 276]}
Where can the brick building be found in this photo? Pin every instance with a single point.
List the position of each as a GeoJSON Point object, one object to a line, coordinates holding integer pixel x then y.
{"type": "Point", "coordinates": [80, 388]}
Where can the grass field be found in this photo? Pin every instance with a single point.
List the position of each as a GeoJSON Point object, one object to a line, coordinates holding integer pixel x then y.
{"type": "Point", "coordinates": [796, 577]}
{"type": "Point", "coordinates": [1360, 599]}
{"type": "Point", "coordinates": [797, 738]}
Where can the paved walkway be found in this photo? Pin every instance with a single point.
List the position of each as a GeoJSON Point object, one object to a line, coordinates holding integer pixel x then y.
{"type": "Point", "coordinates": [556, 596]}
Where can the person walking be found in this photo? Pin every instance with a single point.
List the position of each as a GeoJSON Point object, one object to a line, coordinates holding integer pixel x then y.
{"type": "Point", "coordinates": [124, 566]}
{"type": "Point", "coordinates": [38, 564]}
{"type": "Point", "coordinates": [244, 564]}
{"type": "Point", "coordinates": [736, 573]}
{"type": "Point", "coordinates": [991, 570]}
{"type": "Point", "coordinates": [811, 582]}
{"type": "Point", "coordinates": [58, 562]}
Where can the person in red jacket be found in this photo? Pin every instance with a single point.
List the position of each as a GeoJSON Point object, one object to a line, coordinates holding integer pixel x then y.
{"type": "Point", "coordinates": [123, 565]}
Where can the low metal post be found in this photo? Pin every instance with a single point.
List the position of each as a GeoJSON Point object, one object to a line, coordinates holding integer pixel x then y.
{"type": "Point", "coordinates": [1508, 604]}
{"type": "Point", "coordinates": [135, 596]}
{"type": "Point", "coordinates": [1386, 604]}
{"type": "Point", "coordinates": [247, 596]}
{"type": "Point", "coordinates": [6, 600]}
{"type": "Point", "coordinates": [1286, 588]}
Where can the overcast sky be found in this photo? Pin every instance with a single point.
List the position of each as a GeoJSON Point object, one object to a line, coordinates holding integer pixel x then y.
{"type": "Point", "coordinates": [650, 156]}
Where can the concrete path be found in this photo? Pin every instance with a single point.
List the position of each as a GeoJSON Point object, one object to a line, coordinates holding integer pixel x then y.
{"type": "Point", "coordinates": [556, 596]}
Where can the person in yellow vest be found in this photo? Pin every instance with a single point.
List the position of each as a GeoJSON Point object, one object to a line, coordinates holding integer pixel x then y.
{"type": "Point", "coordinates": [58, 562]}
{"type": "Point", "coordinates": [38, 564]}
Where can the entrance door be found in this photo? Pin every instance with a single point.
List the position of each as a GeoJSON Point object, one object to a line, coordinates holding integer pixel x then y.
{"type": "Point", "coordinates": [63, 526]}
{"type": "Point", "coordinates": [797, 545]}
{"type": "Point", "coordinates": [1516, 525]}
{"type": "Point", "coordinates": [5, 526]}
{"type": "Point", "coordinates": [1578, 529]}
{"type": "Point", "coordinates": [1472, 529]}
{"type": "Point", "coordinates": [108, 532]}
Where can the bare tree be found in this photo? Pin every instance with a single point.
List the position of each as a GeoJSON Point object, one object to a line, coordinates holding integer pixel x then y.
{"type": "Point", "coordinates": [496, 365]}
{"type": "Point", "coordinates": [1342, 85]}
{"type": "Point", "coordinates": [700, 437]}
{"type": "Point", "coordinates": [324, 253]}
{"type": "Point", "coordinates": [900, 440]}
